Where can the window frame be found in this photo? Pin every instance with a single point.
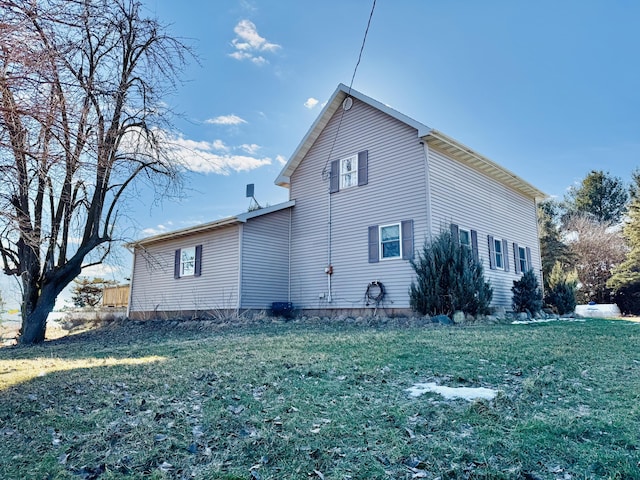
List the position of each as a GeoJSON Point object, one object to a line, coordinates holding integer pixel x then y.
{"type": "Point", "coordinates": [352, 174]}
{"type": "Point", "coordinates": [498, 242]}
{"type": "Point", "coordinates": [381, 243]}
{"type": "Point", "coordinates": [188, 261]}
{"type": "Point", "coordinates": [522, 260]}
{"type": "Point", "coordinates": [467, 231]}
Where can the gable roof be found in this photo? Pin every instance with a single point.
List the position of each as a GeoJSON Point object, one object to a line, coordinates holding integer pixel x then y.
{"type": "Point", "coordinates": [432, 137]}
{"type": "Point", "coordinates": [210, 226]}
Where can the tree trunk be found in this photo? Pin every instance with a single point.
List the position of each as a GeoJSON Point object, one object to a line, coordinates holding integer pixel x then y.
{"type": "Point", "coordinates": [34, 324]}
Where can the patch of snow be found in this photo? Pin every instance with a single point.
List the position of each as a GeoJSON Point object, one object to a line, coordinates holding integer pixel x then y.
{"type": "Point", "coordinates": [449, 393]}
{"type": "Point", "coordinates": [547, 320]}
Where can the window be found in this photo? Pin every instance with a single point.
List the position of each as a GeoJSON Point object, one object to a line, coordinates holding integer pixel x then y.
{"type": "Point", "coordinates": [391, 241]}
{"type": "Point", "coordinates": [465, 237]}
{"type": "Point", "coordinates": [498, 255]}
{"type": "Point", "coordinates": [349, 172]}
{"type": "Point", "coordinates": [188, 262]}
{"type": "Point", "coordinates": [522, 259]}
{"type": "Point", "coordinates": [390, 244]}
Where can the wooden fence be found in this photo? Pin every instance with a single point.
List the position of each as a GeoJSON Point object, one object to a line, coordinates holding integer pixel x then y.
{"type": "Point", "coordinates": [115, 296]}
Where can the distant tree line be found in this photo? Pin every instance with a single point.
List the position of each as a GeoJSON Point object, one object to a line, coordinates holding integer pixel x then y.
{"type": "Point", "coordinates": [590, 241]}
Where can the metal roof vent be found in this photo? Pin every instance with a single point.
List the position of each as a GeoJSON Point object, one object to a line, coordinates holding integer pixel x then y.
{"type": "Point", "coordinates": [347, 104]}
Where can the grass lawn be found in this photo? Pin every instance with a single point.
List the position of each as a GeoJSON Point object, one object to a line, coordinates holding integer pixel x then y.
{"type": "Point", "coordinates": [309, 401]}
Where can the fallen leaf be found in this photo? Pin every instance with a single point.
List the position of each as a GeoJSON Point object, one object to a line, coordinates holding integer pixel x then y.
{"type": "Point", "coordinates": [319, 474]}
{"type": "Point", "coordinates": [165, 466]}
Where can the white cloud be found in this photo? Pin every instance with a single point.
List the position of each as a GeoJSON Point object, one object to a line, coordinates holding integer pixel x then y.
{"type": "Point", "coordinates": [249, 44]}
{"type": "Point", "coordinates": [281, 159]}
{"type": "Point", "coordinates": [199, 157]}
{"type": "Point", "coordinates": [226, 120]}
{"type": "Point", "coordinates": [251, 149]}
{"type": "Point", "coordinates": [311, 102]}
{"type": "Point", "coordinates": [219, 145]}
{"type": "Point", "coordinates": [103, 270]}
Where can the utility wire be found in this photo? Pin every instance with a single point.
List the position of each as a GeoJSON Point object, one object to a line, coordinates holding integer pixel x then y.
{"type": "Point", "coordinates": [364, 40]}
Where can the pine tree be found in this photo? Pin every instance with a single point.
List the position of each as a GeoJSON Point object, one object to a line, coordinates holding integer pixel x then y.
{"type": "Point", "coordinates": [448, 279]}
{"type": "Point", "coordinates": [527, 296]}
{"type": "Point", "coordinates": [625, 280]}
{"type": "Point", "coordinates": [552, 249]}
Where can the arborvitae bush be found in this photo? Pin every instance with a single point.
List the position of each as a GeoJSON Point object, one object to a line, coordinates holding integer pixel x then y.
{"type": "Point", "coordinates": [527, 296]}
{"type": "Point", "coordinates": [448, 279]}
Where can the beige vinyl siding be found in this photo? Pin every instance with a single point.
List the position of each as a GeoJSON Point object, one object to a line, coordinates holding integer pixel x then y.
{"type": "Point", "coordinates": [156, 289]}
{"type": "Point", "coordinates": [396, 191]}
{"type": "Point", "coordinates": [265, 260]}
{"type": "Point", "coordinates": [472, 200]}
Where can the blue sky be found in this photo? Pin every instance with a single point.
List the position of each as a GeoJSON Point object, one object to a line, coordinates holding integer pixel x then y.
{"type": "Point", "coordinates": [548, 89]}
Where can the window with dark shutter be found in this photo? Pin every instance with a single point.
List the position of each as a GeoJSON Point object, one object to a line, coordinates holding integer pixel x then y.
{"type": "Point", "coordinates": [528, 253]}
{"type": "Point", "coordinates": [517, 266]}
{"type": "Point", "coordinates": [455, 233]}
{"type": "Point", "coordinates": [505, 255]}
{"type": "Point", "coordinates": [474, 245]}
{"type": "Point", "coordinates": [492, 253]}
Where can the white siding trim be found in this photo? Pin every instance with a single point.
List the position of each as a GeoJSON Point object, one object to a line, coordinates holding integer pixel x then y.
{"type": "Point", "coordinates": [240, 255]}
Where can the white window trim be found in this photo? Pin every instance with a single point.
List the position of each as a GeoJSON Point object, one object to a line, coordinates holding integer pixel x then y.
{"type": "Point", "coordinates": [183, 262]}
{"type": "Point", "coordinates": [468, 231]}
{"type": "Point", "coordinates": [498, 241]}
{"type": "Point", "coordinates": [353, 172]}
{"type": "Point", "coordinates": [380, 227]}
{"type": "Point", "coordinates": [521, 259]}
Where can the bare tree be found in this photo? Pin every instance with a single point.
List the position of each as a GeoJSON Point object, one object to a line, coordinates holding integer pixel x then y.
{"type": "Point", "coordinates": [597, 248]}
{"type": "Point", "coordinates": [81, 121]}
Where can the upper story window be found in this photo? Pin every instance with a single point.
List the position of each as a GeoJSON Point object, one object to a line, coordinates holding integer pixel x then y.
{"type": "Point", "coordinates": [467, 238]}
{"type": "Point", "coordinates": [188, 262]}
{"type": "Point", "coordinates": [390, 241]}
{"type": "Point", "coordinates": [349, 172]}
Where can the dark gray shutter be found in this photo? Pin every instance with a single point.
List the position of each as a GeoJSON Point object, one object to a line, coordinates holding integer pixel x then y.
{"type": "Point", "coordinates": [407, 240]}
{"type": "Point", "coordinates": [474, 244]}
{"type": "Point", "coordinates": [529, 265]}
{"type": "Point", "coordinates": [516, 257]}
{"type": "Point", "coordinates": [374, 248]}
{"type": "Point", "coordinates": [198, 266]}
{"type": "Point", "coordinates": [176, 264]}
{"type": "Point", "coordinates": [492, 253]}
{"type": "Point", "coordinates": [363, 168]}
{"type": "Point", "coordinates": [455, 233]}
{"type": "Point", "coordinates": [334, 177]}
{"type": "Point", "coordinates": [505, 255]}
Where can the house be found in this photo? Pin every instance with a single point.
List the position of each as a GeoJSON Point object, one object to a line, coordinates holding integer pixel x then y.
{"type": "Point", "coordinates": [367, 187]}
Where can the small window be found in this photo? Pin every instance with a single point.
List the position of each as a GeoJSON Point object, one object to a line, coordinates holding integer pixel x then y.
{"type": "Point", "coordinates": [465, 237]}
{"type": "Point", "coordinates": [522, 259]}
{"type": "Point", "coordinates": [187, 261]}
{"type": "Point", "coordinates": [498, 253]}
{"type": "Point", "coordinates": [390, 241]}
{"type": "Point", "coordinates": [349, 172]}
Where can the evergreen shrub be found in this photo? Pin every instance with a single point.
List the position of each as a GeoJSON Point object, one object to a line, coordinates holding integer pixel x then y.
{"type": "Point", "coordinates": [527, 296]}
{"type": "Point", "coordinates": [448, 278]}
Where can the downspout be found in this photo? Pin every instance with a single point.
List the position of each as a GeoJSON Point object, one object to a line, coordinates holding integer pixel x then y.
{"type": "Point", "coordinates": [289, 255]}
{"type": "Point", "coordinates": [427, 181]}
{"type": "Point", "coordinates": [240, 235]}
{"type": "Point", "coordinates": [535, 202]}
{"type": "Point", "coordinates": [327, 271]}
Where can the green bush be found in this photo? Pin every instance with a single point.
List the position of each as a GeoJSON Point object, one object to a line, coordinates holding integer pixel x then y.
{"type": "Point", "coordinates": [562, 298]}
{"type": "Point", "coordinates": [448, 278]}
{"type": "Point", "coordinates": [561, 291]}
{"type": "Point", "coordinates": [628, 299]}
{"type": "Point", "coordinates": [527, 296]}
